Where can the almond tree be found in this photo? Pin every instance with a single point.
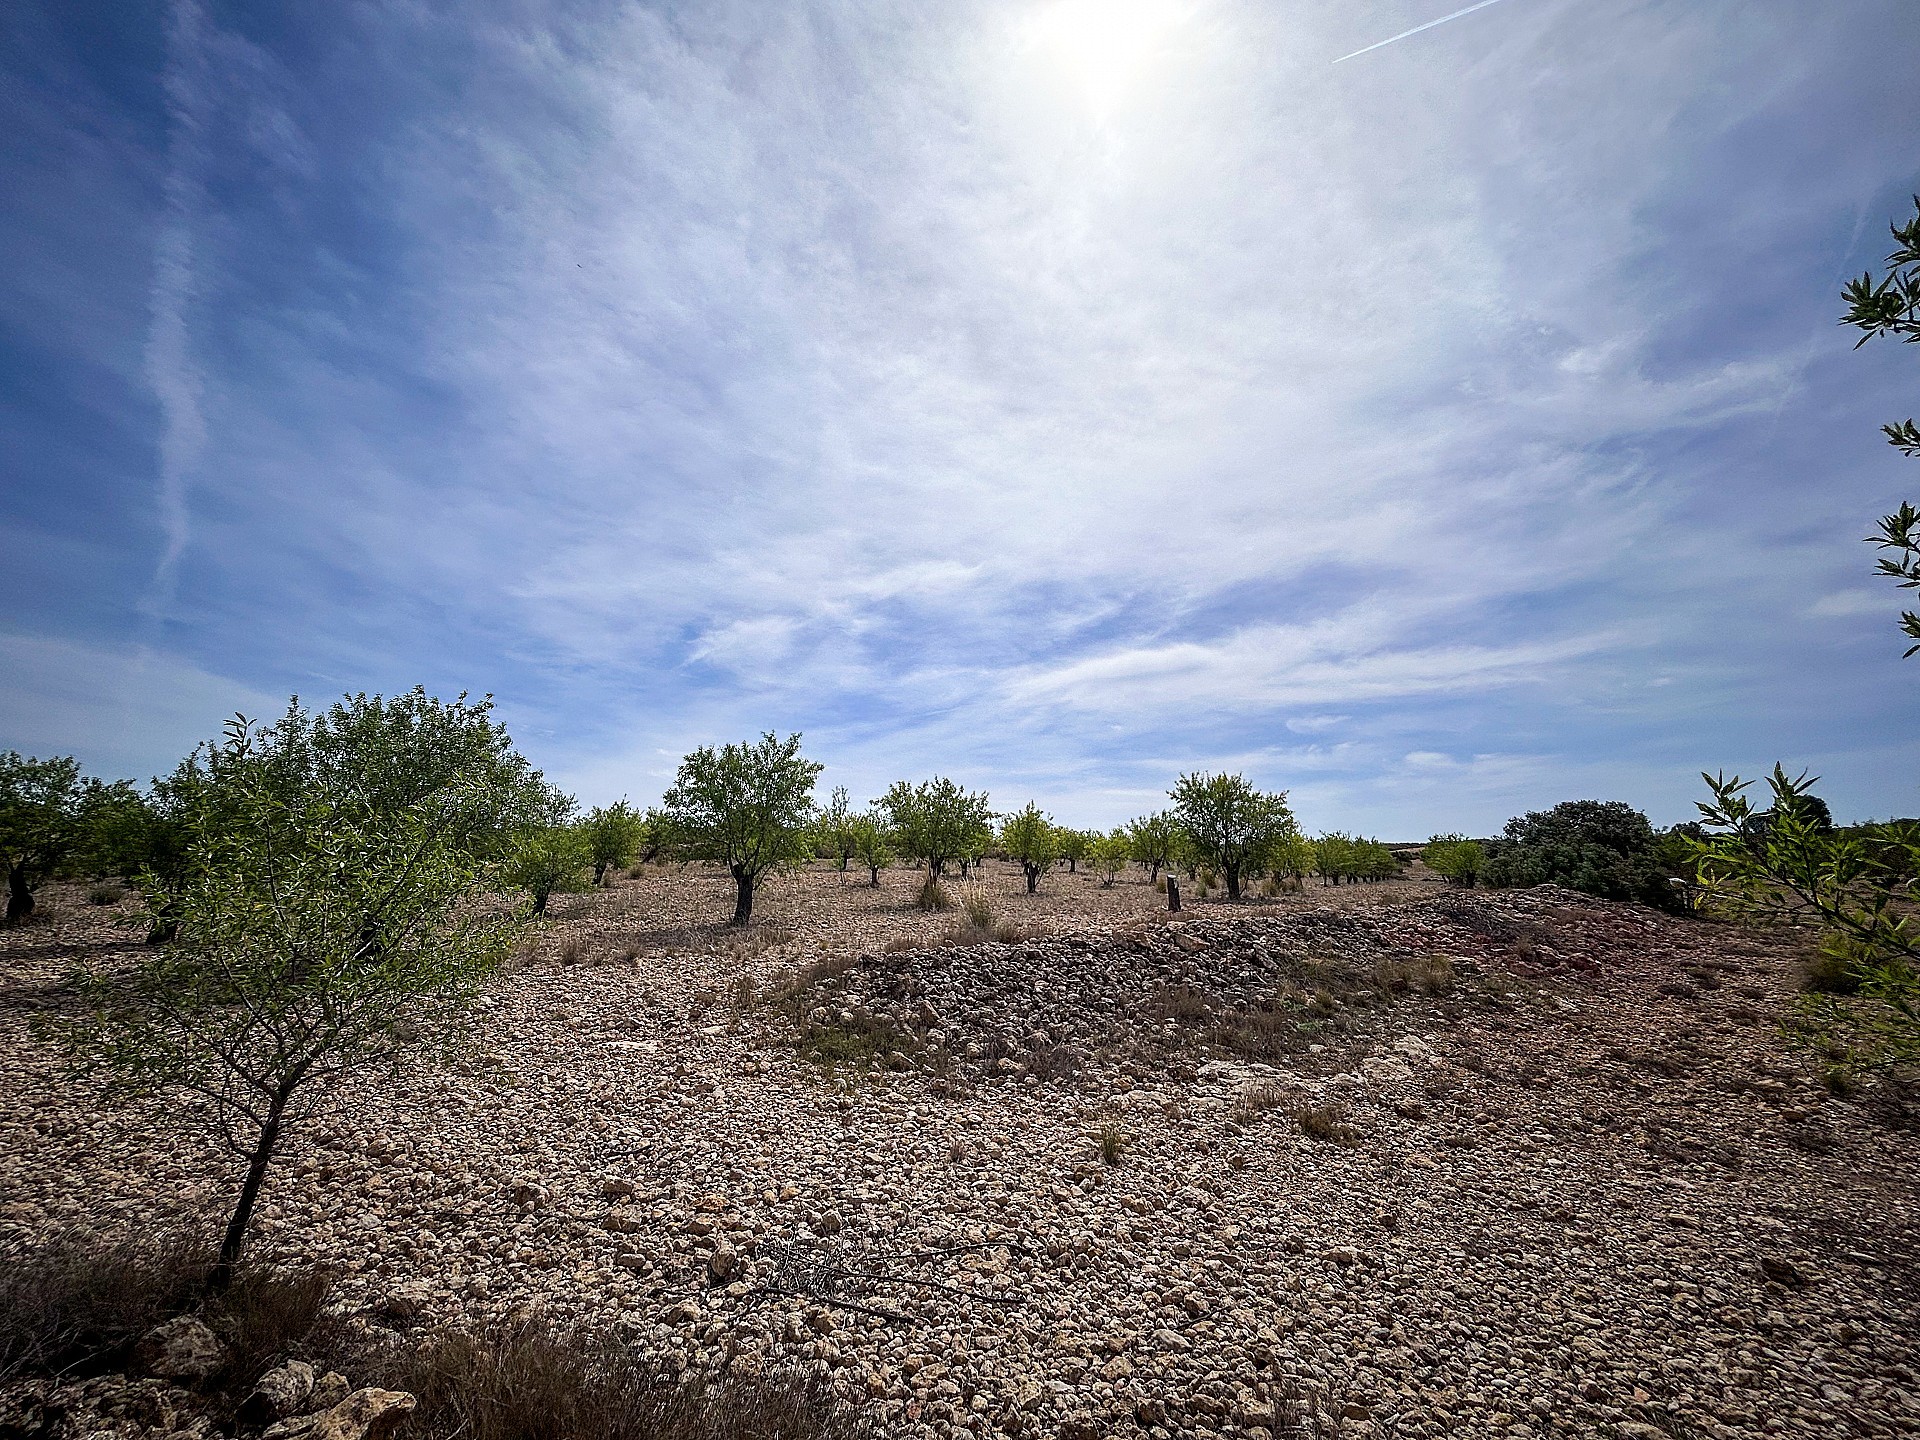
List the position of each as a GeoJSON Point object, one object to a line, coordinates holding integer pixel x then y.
{"type": "Point", "coordinates": [935, 821]}
{"type": "Point", "coordinates": [1229, 823]}
{"type": "Point", "coordinates": [613, 835]}
{"type": "Point", "coordinates": [872, 842]}
{"type": "Point", "coordinates": [1032, 841]}
{"type": "Point", "coordinates": [39, 824]}
{"type": "Point", "coordinates": [748, 807]}
{"type": "Point", "coordinates": [333, 912]}
{"type": "Point", "coordinates": [1151, 840]}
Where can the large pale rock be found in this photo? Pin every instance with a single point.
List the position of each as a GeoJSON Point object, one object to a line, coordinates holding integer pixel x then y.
{"type": "Point", "coordinates": [182, 1349]}
{"type": "Point", "coordinates": [367, 1414]}
{"type": "Point", "coordinates": [284, 1390]}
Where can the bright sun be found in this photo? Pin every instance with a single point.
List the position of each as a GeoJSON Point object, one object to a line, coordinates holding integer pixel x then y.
{"type": "Point", "coordinates": [1103, 44]}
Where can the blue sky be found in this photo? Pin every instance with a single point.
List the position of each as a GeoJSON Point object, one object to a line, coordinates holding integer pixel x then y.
{"type": "Point", "coordinates": [1056, 396]}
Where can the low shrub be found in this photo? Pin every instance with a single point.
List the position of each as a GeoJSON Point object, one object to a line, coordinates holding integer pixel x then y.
{"type": "Point", "coordinates": [1327, 1123]}
{"type": "Point", "coordinates": [533, 1383]}
{"type": "Point", "coordinates": [77, 1304]}
{"type": "Point", "coordinates": [105, 895]}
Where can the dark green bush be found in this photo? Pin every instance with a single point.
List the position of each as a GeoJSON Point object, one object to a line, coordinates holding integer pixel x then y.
{"type": "Point", "coordinates": [1600, 847]}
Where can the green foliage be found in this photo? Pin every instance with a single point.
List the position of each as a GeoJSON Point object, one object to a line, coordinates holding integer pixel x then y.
{"type": "Point", "coordinates": [936, 821]}
{"type": "Point", "coordinates": [833, 830]}
{"type": "Point", "coordinates": [1230, 825]}
{"type": "Point", "coordinates": [1600, 847]}
{"type": "Point", "coordinates": [748, 807]}
{"type": "Point", "coordinates": [1109, 854]}
{"type": "Point", "coordinates": [1150, 840]}
{"type": "Point", "coordinates": [328, 913]}
{"type": "Point", "coordinates": [872, 843]}
{"type": "Point", "coordinates": [550, 859]}
{"type": "Point", "coordinates": [1290, 857]}
{"type": "Point", "coordinates": [1782, 865]}
{"type": "Point", "coordinates": [1338, 858]}
{"type": "Point", "coordinates": [40, 802]}
{"type": "Point", "coordinates": [1072, 845]}
{"type": "Point", "coordinates": [1891, 306]}
{"type": "Point", "coordinates": [1032, 841]}
{"type": "Point", "coordinates": [1455, 857]}
{"type": "Point", "coordinates": [613, 834]}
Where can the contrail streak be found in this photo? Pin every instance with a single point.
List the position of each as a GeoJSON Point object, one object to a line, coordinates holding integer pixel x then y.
{"type": "Point", "coordinates": [1418, 28]}
{"type": "Point", "coordinates": [170, 367]}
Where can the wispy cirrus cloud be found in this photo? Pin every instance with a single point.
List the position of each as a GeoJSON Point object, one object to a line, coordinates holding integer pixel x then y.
{"type": "Point", "coordinates": [678, 375]}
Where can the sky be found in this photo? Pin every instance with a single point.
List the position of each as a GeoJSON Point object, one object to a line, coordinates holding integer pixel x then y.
{"type": "Point", "coordinates": [1057, 396]}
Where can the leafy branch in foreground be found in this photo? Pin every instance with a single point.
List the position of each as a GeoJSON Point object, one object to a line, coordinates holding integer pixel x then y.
{"type": "Point", "coordinates": [1891, 306]}
{"type": "Point", "coordinates": [333, 911]}
{"type": "Point", "coordinates": [1787, 865]}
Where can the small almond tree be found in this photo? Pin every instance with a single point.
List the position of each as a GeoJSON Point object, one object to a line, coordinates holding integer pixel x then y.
{"type": "Point", "coordinates": [1032, 841]}
{"type": "Point", "coordinates": [1455, 858]}
{"type": "Point", "coordinates": [39, 824]}
{"type": "Point", "coordinates": [550, 858]}
{"type": "Point", "coordinates": [748, 807]}
{"type": "Point", "coordinates": [872, 843]}
{"type": "Point", "coordinates": [935, 821]}
{"type": "Point", "coordinates": [613, 835]}
{"type": "Point", "coordinates": [834, 829]}
{"type": "Point", "coordinates": [1073, 846]}
{"type": "Point", "coordinates": [1230, 824]}
{"type": "Point", "coordinates": [1109, 854]}
{"type": "Point", "coordinates": [1151, 840]}
{"type": "Point", "coordinates": [333, 915]}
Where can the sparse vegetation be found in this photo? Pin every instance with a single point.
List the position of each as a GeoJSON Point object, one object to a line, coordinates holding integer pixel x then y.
{"type": "Point", "coordinates": [1326, 1122]}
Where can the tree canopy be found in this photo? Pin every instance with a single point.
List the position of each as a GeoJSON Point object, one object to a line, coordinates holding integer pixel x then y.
{"type": "Point", "coordinates": [1229, 823]}
{"type": "Point", "coordinates": [748, 807]}
{"type": "Point", "coordinates": [936, 821]}
{"type": "Point", "coordinates": [331, 909]}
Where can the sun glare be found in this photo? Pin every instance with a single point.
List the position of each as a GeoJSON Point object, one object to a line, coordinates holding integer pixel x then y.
{"type": "Point", "coordinates": [1103, 44]}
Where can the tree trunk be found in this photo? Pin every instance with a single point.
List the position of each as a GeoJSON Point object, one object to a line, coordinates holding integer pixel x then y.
{"type": "Point", "coordinates": [1173, 892]}
{"type": "Point", "coordinates": [875, 869]}
{"type": "Point", "coordinates": [1153, 873]}
{"type": "Point", "coordinates": [19, 895]}
{"type": "Point", "coordinates": [599, 873]}
{"type": "Point", "coordinates": [236, 1236]}
{"type": "Point", "coordinates": [743, 898]}
{"type": "Point", "coordinates": [1033, 878]}
{"type": "Point", "coordinates": [540, 896]}
{"type": "Point", "coordinates": [1073, 865]}
{"type": "Point", "coordinates": [1233, 883]}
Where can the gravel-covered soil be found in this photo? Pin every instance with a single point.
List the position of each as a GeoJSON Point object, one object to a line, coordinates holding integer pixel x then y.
{"type": "Point", "coordinates": [1391, 1161]}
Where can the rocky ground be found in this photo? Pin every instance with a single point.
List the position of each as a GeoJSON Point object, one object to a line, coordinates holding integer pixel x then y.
{"type": "Point", "coordinates": [1389, 1161]}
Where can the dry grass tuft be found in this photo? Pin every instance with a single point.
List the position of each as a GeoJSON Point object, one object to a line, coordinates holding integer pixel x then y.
{"type": "Point", "coordinates": [76, 1304]}
{"type": "Point", "coordinates": [933, 895]}
{"type": "Point", "coordinates": [1255, 1100]}
{"type": "Point", "coordinates": [1113, 1144]}
{"type": "Point", "coordinates": [1427, 975]}
{"type": "Point", "coordinates": [1326, 1122]}
{"type": "Point", "coordinates": [530, 1383]}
